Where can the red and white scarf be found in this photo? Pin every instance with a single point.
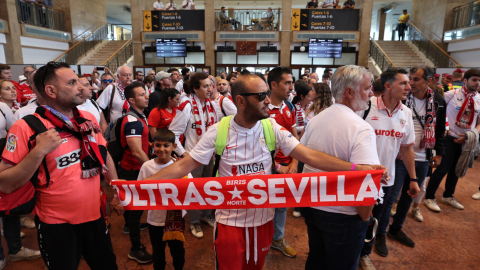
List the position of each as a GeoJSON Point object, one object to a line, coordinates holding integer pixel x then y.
{"type": "Point", "coordinates": [467, 112]}
{"type": "Point", "coordinates": [15, 106]}
{"type": "Point", "coordinates": [428, 137]}
{"type": "Point", "coordinates": [202, 124]}
{"type": "Point", "coordinates": [121, 88]}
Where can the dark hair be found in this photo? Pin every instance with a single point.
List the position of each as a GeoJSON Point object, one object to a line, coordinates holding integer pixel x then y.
{"type": "Point", "coordinates": [405, 10]}
{"type": "Point", "coordinates": [164, 135]}
{"type": "Point", "coordinates": [195, 80]}
{"type": "Point", "coordinates": [138, 71]}
{"type": "Point", "coordinates": [107, 74]}
{"type": "Point", "coordinates": [148, 79]}
{"type": "Point", "coordinates": [245, 71]}
{"type": "Point", "coordinates": [185, 71]}
{"type": "Point", "coordinates": [327, 70]}
{"type": "Point", "coordinates": [301, 76]}
{"type": "Point", "coordinates": [4, 66]}
{"type": "Point", "coordinates": [186, 87]}
{"type": "Point", "coordinates": [473, 72]}
{"type": "Point", "coordinates": [300, 82]}
{"type": "Point", "coordinates": [275, 75]}
{"type": "Point", "coordinates": [390, 75]}
{"type": "Point", "coordinates": [302, 90]}
{"type": "Point", "coordinates": [47, 73]}
{"type": "Point", "coordinates": [80, 76]}
{"type": "Point", "coordinates": [166, 94]}
{"type": "Point", "coordinates": [427, 72]}
{"type": "Point", "coordinates": [325, 76]}
{"type": "Point", "coordinates": [229, 77]}
{"type": "Point", "coordinates": [172, 70]}
{"type": "Point", "coordinates": [378, 86]}
{"type": "Point", "coordinates": [130, 90]}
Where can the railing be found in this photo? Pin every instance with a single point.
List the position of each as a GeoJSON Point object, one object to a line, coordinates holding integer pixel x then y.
{"type": "Point", "coordinates": [379, 56]}
{"type": "Point", "coordinates": [86, 33]}
{"type": "Point", "coordinates": [39, 15]}
{"type": "Point", "coordinates": [120, 57]}
{"type": "Point", "coordinates": [432, 51]}
{"type": "Point", "coordinates": [427, 32]}
{"type": "Point", "coordinates": [248, 19]}
{"type": "Point", "coordinates": [466, 15]}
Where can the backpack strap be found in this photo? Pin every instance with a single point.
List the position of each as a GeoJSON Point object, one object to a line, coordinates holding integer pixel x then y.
{"type": "Point", "coordinates": [290, 106]}
{"type": "Point", "coordinates": [221, 141]}
{"type": "Point", "coordinates": [36, 125]}
{"type": "Point", "coordinates": [109, 109]}
{"type": "Point", "coordinates": [96, 105]}
{"type": "Point", "coordinates": [4, 116]}
{"type": "Point", "coordinates": [134, 115]}
{"type": "Point", "coordinates": [221, 105]}
{"type": "Point", "coordinates": [365, 114]}
{"type": "Point", "coordinates": [269, 139]}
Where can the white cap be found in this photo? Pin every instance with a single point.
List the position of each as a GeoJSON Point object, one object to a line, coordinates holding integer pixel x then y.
{"type": "Point", "coordinates": [162, 74]}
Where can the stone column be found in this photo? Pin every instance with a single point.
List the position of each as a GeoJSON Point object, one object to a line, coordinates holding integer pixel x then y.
{"type": "Point", "coordinates": [13, 48]}
{"type": "Point", "coordinates": [365, 25]}
{"type": "Point", "coordinates": [137, 7]}
{"type": "Point", "coordinates": [210, 35]}
{"type": "Point", "coordinates": [381, 20]}
{"type": "Point", "coordinates": [286, 33]}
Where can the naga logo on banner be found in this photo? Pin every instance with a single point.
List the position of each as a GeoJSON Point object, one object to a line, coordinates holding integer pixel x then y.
{"type": "Point", "coordinates": [358, 188]}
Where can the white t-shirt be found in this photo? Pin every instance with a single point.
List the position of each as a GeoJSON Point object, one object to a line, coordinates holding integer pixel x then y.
{"type": "Point", "coordinates": [190, 4]}
{"type": "Point", "coordinates": [246, 153]}
{"type": "Point", "coordinates": [354, 141]}
{"type": "Point", "coordinates": [392, 131]}
{"type": "Point", "coordinates": [420, 108]}
{"type": "Point", "coordinates": [5, 119]}
{"type": "Point", "coordinates": [179, 86]}
{"type": "Point", "coordinates": [170, 6]}
{"type": "Point", "coordinates": [149, 168]}
{"type": "Point", "coordinates": [228, 105]}
{"type": "Point", "coordinates": [26, 110]}
{"type": "Point", "coordinates": [454, 99]}
{"type": "Point", "coordinates": [158, 5]}
{"type": "Point", "coordinates": [118, 100]}
{"type": "Point", "coordinates": [91, 108]}
{"type": "Point", "coordinates": [328, 3]}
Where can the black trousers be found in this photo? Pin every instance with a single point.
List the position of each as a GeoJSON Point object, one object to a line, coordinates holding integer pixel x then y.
{"type": "Point", "coordinates": [62, 245]}
{"type": "Point", "coordinates": [132, 217]}
{"type": "Point", "coordinates": [176, 249]}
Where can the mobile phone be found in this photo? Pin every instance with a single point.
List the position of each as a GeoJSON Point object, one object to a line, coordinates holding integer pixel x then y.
{"type": "Point", "coordinates": [100, 68]}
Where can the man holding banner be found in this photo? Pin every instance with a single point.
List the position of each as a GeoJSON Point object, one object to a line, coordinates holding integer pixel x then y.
{"type": "Point", "coordinates": [243, 236]}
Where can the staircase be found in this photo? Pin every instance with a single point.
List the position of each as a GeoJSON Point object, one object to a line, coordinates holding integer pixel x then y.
{"type": "Point", "coordinates": [105, 52]}
{"type": "Point", "coordinates": [400, 53]}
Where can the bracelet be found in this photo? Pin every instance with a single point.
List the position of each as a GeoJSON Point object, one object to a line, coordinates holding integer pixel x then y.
{"type": "Point", "coordinates": [354, 166]}
{"type": "Point", "coordinates": [278, 167]}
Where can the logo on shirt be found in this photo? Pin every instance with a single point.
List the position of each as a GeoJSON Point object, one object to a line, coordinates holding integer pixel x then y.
{"type": "Point", "coordinates": [248, 169]}
{"type": "Point", "coordinates": [289, 114]}
{"type": "Point", "coordinates": [375, 118]}
{"type": "Point", "coordinates": [132, 131]}
{"type": "Point", "coordinates": [402, 123]}
{"type": "Point", "coordinates": [11, 142]}
{"type": "Point", "coordinates": [68, 159]}
{"type": "Point", "coordinates": [389, 133]}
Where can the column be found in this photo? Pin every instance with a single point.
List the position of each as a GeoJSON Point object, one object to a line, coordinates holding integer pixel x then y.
{"type": "Point", "coordinates": [365, 25]}
{"type": "Point", "coordinates": [286, 34]}
{"type": "Point", "coordinates": [13, 48]}
{"type": "Point", "coordinates": [137, 7]}
{"type": "Point", "coordinates": [210, 35]}
{"type": "Point", "coordinates": [381, 20]}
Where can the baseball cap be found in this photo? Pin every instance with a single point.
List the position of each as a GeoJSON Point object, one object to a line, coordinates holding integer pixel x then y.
{"type": "Point", "coordinates": [449, 77]}
{"type": "Point", "coordinates": [459, 70]}
{"type": "Point", "coordinates": [162, 74]}
{"type": "Point", "coordinates": [21, 78]}
{"type": "Point", "coordinates": [436, 75]}
{"type": "Point", "coordinates": [445, 75]}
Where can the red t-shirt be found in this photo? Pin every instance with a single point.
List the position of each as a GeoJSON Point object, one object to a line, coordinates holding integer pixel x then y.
{"type": "Point", "coordinates": [132, 127]}
{"type": "Point", "coordinates": [161, 118]}
{"type": "Point", "coordinates": [69, 198]}
{"type": "Point", "coordinates": [27, 92]}
{"type": "Point", "coordinates": [18, 88]}
{"type": "Point", "coordinates": [285, 118]}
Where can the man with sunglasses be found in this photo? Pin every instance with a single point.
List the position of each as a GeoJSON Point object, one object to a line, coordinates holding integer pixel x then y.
{"type": "Point", "coordinates": [250, 93]}
{"type": "Point", "coordinates": [113, 100]}
{"type": "Point", "coordinates": [139, 76]}
{"type": "Point", "coordinates": [280, 80]}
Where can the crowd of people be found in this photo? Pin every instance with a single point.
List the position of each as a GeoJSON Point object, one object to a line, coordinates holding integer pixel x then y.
{"type": "Point", "coordinates": [402, 122]}
{"type": "Point", "coordinates": [331, 4]}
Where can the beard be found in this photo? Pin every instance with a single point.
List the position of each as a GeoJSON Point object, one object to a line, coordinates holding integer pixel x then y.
{"type": "Point", "coordinates": [254, 114]}
{"type": "Point", "coordinates": [358, 103]}
{"type": "Point", "coordinates": [471, 88]}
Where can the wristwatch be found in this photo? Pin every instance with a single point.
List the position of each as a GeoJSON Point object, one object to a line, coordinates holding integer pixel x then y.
{"type": "Point", "coordinates": [414, 180]}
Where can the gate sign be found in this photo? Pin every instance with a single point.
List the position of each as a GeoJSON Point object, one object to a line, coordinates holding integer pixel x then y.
{"type": "Point", "coordinates": [173, 20]}
{"type": "Point", "coordinates": [325, 19]}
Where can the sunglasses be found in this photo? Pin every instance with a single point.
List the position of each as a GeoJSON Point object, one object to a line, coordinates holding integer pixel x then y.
{"type": "Point", "coordinates": [107, 81]}
{"type": "Point", "coordinates": [261, 96]}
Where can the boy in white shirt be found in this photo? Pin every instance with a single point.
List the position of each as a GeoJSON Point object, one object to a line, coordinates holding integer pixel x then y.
{"type": "Point", "coordinates": [163, 145]}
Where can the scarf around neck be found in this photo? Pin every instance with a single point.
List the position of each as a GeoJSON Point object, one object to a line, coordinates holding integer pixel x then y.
{"type": "Point", "coordinates": [92, 157]}
{"type": "Point", "coordinates": [428, 138]}
{"type": "Point", "coordinates": [202, 124]}
{"type": "Point", "coordinates": [121, 89]}
{"type": "Point", "coordinates": [467, 112]}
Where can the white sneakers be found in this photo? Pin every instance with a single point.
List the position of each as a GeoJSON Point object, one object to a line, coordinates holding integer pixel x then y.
{"type": "Point", "coordinates": [25, 254]}
{"type": "Point", "coordinates": [416, 214]}
{"type": "Point", "coordinates": [476, 196]}
{"type": "Point", "coordinates": [453, 203]}
{"type": "Point", "coordinates": [196, 230]}
{"type": "Point", "coordinates": [27, 223]}
{"type": "Point", "coordinates": [3, 263]}
{"type": "Point", "coordinates": [394, 209]}
{"type": "Point", "coordinates": [432, 205]}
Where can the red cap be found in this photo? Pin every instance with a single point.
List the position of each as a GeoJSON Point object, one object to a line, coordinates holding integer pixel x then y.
{"type": "Point", "coordinates": [436, 75]}
{"type": "Point", "coordinates": [458, 70]}
{"type": "Point", "coordinates": [449, 77]}
{"type": "Point", "coordinates": [445, 75]}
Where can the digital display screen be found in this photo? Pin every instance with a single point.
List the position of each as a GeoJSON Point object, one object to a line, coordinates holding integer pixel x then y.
{"type": "Point", "coordinates": [325, 48]}
{"type": "Point", "coordinates": [171, 47]}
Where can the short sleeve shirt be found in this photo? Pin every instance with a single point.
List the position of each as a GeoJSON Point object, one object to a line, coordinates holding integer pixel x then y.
{"type": "Point", "coordinates": [133, 127]}
{"type": "Point", "coordinates": [118, 100]}
{"type": "Point", "coordinates": [161, 118]}
{"type": "Point", "coordinates": [285, 118]}
{"type": "Point", "coordinates": [455, 99]}
{"type": "Point", "coordinates": [69, 198]}
{"type": "Point", "coordinates": [246, 153]}
{"type": "Point", "coordinates": [158, 5]}
{"type": "Point", "coordinates": [351, 3]}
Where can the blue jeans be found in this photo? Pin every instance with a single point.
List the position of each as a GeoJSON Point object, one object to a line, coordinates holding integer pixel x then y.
{"type": "Point", "coordinates": [11, 230]}
{"type": "Point", "coordinates": [421, 169]}
{"type": "Point", "coordinates": [401, 175]}
{"type": "Point", "coordinates": [334, 240]}
{"type": "Point", "coordinates": [279, 223]}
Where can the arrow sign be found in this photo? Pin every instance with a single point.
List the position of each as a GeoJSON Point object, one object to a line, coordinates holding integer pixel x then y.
{"type": "Point", "coordinates": [295, 15]}
{"type": "Point", "coordinates": [296, 26]}
{"type": "Point", "coordinates": [146, 16]}
{"type": "Point", "coordinates": [148, 26]}
{"type": "Point", "coordinates": [155, 26]}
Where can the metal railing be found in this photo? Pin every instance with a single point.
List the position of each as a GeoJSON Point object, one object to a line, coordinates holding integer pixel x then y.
{"type": "Point", "coordinates": [39, 15]}
{"type": "Point", "coordinates": [379, 56]}
{"type": "Point", "coordinates": [248, 19]}
{"type": "Point", "coordinates": [120, 57]}
{"type": "Point", "coordinates": [466, 15]}
{"type": "Point", "coordinates": [432, 51]}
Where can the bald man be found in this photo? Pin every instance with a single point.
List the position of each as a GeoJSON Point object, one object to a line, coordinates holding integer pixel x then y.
{"type": "Point", "coordinates": [119, 104]}
{"type": "Point", "coordinates": [222, 97]}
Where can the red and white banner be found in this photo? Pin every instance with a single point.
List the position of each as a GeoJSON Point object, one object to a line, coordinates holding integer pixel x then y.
{"type": "Point", "coordinates": [358, 188]}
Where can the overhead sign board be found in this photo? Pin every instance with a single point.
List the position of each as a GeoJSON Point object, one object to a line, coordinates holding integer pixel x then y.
{"type": "Point", "coordinates": [175, 20]}
{"type": "Point", "coordinates": [325, 19]}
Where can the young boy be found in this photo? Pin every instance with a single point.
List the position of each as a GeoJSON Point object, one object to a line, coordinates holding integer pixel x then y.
{"type": "Point", "coordinates": [163, 145]}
